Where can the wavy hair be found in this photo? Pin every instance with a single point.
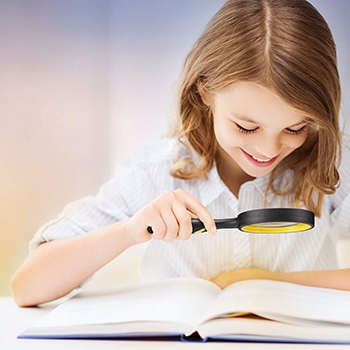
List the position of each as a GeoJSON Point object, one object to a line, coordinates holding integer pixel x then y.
{"type": "Point", "coordinates": [286, 46]}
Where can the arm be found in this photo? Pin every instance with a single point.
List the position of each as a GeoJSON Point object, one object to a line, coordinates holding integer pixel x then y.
{"type": "Point", "coordinates": [57, 267]}
{"type": "Point", "coordinates": [334, 279]}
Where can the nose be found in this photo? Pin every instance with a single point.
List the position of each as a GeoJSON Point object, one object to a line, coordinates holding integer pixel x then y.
{"type": "Point", "coordinates": [269, 146]}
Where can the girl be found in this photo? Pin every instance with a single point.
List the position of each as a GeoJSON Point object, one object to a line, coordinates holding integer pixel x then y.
{"type": "Point", "coordinates": [258, 111]}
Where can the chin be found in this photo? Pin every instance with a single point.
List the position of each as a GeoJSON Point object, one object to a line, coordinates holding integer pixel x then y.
{"type": "Point", "coordinates": [258, 172]}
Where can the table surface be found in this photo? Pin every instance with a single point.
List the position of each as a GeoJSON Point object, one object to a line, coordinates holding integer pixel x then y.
{"type": "Point", "coordinates": [14, 320]}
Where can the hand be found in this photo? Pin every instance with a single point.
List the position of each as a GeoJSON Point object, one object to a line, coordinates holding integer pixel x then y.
{"type": "Point", "coordinates": [248, 273]}
{"type": "Point", "coordinates": [170, 215]}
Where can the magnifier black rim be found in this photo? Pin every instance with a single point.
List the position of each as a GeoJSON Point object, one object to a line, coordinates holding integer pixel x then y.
{"type": "Point", "coordinates": [261, 216]}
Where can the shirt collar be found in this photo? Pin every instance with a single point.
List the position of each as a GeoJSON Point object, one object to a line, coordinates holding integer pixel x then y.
{"type": "Point", "coordinates": [211, 188]}
{"type": "Point", "coordinates": [261, 184]}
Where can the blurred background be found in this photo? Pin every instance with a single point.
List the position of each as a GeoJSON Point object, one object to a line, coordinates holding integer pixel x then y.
{"type": "Point", "coordinates": [83, 84]}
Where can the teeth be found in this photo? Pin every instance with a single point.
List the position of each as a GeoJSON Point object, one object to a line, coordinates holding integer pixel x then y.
{"type": "Point", "coordinates": [262, 160]}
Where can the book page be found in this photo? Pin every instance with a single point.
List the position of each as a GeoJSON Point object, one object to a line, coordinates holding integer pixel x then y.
{"type": "Point", "coordinates": [275, 299]}
{"type": "Point", "coordinates": [178, 300]}
{"type": "Point", "coordinates": [259, 329]}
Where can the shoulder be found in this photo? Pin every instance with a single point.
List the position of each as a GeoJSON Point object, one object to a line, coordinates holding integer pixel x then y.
{"type": "Point", "coordinates": [150, 166]}
{"type": "Point", "coordinates": [155, 155]}
{"type": "Point", "coordinates": [344, 170]}
{"type": "Point", "coordinates": [344, 167]}
{"type": "Point", "coordinates": [345, 155]}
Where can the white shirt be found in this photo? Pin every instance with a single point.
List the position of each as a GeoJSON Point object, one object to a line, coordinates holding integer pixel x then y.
{"type": "Point", "coordinates": [146, 175]}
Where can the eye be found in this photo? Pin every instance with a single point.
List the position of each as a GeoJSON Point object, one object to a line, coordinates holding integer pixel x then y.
{"type": "Point", "coordinates": [244, 130]}
{"type": "Point", "coordinates": [297, 132]}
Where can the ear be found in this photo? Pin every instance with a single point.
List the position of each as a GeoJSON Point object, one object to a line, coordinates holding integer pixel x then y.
{"type": "Point", "coordinates": [205, 95]}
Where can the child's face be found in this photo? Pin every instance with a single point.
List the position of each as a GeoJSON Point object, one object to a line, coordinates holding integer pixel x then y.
{"type": "Point", "coordinates": [255, 128]}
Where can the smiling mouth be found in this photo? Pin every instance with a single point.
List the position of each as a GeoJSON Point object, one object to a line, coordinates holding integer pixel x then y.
{"type": "Point", "coordinates": [262, 162]}
{"type": "Point", "coordinates": [265, 160]}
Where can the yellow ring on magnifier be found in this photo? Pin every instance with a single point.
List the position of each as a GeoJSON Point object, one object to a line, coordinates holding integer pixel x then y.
{"type": "Point", "coordinates": [200, 231]}
{"type": "Point", "coordinates": [282, 229]}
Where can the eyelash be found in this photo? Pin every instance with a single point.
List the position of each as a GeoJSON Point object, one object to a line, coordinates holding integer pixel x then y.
{"type": "Point", "coordinates": [245, 131]}
{"type": "Point", "coordinates": [248, 131]}
{"type": "Point", "coordinates": [297, 132]}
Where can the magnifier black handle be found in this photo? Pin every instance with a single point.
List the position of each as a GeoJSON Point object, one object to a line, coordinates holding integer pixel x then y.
{"type": "Point", "coordinates": [198, 226]}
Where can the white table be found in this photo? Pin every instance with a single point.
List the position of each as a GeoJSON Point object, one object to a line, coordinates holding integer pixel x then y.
{"type": "Point", "coordinates": [14, 320]}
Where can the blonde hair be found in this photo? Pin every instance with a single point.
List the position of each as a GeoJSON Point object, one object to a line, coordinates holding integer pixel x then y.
{"type": "Point", "coordinates": [286, 46]}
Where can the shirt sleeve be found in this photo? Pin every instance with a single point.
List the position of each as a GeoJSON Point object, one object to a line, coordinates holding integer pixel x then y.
{"type": "Point", "coordinates": [341, 199]}
{"type": "Point", "coordinates": [116, 200]}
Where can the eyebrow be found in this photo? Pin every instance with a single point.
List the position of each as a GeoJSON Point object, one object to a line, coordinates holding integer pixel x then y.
{"type": "Point", "coordinates": [250, 120]}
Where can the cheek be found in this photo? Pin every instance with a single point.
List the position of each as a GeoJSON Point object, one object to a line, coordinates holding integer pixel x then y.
{"type": "Point", "coordinates": [228, 138]}
{"type": "Point", "coordinates": [227, 135]}
{"type": "Point", "coordinates": [295, 142]}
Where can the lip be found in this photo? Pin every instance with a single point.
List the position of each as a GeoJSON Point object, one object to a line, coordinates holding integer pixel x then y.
{"type": "Point", "coordinates": [261, 164]}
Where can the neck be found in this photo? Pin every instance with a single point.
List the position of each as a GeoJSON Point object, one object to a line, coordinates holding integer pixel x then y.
{"type": "Point", "coordinates": [230, 172]}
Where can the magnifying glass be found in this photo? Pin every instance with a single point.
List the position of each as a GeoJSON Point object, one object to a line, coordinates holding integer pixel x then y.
{"type": "Point", "coordinates": [269, 220]}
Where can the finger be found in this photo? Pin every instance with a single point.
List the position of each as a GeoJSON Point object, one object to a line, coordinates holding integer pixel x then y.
{"type": "Point", "coordinates": [171, 225]}
{"type": "Point", "coordinates": [183, 217]}
{"type": "Point", "coordinates": [197, 208]}
{"type": "Point", "coordinates": [161, 217]}
{"type": "Point", "coordinates": [153, 220]}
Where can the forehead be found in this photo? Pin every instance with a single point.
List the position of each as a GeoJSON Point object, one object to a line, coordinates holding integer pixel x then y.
{"type": "Point", "coordinates": [255, 103]}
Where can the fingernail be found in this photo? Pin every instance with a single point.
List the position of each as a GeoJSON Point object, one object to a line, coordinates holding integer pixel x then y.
{"type": "Point", "coordinates": [214, 230]}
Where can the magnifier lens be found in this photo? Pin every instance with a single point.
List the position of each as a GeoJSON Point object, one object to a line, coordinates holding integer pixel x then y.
{"type": "Point", "coordinates": [276, 220]}
{"type": "Point", "coordinates": [275, 224]}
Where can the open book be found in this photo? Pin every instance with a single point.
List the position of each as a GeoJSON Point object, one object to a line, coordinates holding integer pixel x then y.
{"type": "Point", "coordinates": [185, 308]}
